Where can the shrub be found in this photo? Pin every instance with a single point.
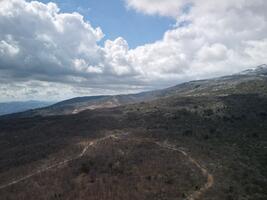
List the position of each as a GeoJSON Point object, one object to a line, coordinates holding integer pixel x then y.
{"type": "Point", "coordinates": [85, 169]}
{"type": "Point", "coordinates": [188, 133]}
{"type": "Point", "coordinates": [208, 112]}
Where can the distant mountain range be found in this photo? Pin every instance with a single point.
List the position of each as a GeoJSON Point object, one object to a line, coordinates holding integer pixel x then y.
{"type": "Point", "coordinates": [240, 83]}
{"type": "Point", "coordinates": [20, 106]}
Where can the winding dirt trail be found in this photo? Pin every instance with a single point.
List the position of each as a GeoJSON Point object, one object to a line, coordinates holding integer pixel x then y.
{"type": "Point", "coordinates": [210, 180]}
{"type": "Point", "coordinates": [55, 165]}
{"type": "Point", "coordinates": [194, 196]}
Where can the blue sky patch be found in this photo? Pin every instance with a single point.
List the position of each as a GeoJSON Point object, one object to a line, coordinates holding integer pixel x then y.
{"type": "Point", "coordinates": [116, 20]}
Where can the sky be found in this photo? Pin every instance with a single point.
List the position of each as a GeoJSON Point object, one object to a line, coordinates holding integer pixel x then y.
{"type": "Point", "coordinates": [63, 49]}
{"type": "Point", "coordinates": [116, 20]}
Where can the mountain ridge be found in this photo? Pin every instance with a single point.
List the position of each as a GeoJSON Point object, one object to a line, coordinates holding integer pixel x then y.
{"type": "Point", "coordinates": [20, 106]}
{"type": "Point", "coordinates": [236, 83]}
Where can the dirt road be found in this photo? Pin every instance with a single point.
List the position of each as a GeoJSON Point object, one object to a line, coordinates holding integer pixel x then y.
{"type": "Point", "coordinates": [194, 196]}
{"type": "Point", "coordinates": [92, 143]}
{"type": "Point", "coordinates": [210, 180]}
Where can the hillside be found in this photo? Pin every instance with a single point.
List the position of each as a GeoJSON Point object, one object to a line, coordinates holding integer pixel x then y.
{"type": "Point", "coordinates": [14, 107]}
{"type": "Point", "coordinates": [198, 140]}
{"type": "Point", "coordinates": [241, 83]}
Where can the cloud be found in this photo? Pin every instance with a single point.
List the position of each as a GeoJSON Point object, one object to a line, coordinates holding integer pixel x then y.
{"type": "Point", "coordinates": [210, 38]}
{"type": "Point", "coordinates": [117, 57]}
{"type": "Point", "coordinates": [37, 39]}
{"type": "Point", "coordinates": [39, 43]}
{"type": "Point", "coordinates": [171, 8]}
{"type": "Point", "coordinates": [9, 49]}
{"type": "Point", "coordinates": [53, 53]}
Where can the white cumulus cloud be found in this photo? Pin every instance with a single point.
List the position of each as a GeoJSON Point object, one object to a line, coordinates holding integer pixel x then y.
{"type": "Point", "coordinates": [210, 38]}
{"type": "Point", "coordinates": [59, 53]}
